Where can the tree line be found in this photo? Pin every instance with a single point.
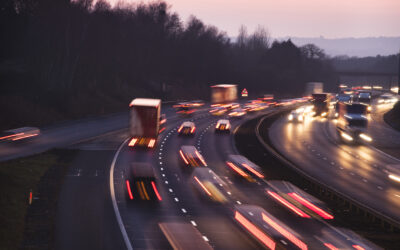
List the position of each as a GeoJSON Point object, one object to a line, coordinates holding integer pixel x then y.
{"type": "Point", "coordinates": [77, 56]}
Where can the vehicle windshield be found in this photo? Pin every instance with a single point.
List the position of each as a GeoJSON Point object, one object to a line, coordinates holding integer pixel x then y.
{"type": "Point", "coordinates": [358, 123]}
{"type": "Point", "coordinates": [356, 109]}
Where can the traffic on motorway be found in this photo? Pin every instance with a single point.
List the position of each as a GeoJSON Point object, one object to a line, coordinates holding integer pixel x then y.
{"type": "Point", "coordinates": [200, 189]}
{"type": "Point", "coordinates": [178, 181]}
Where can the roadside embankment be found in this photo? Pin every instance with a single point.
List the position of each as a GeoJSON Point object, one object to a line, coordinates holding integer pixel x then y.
{"type": "Point", "coordinates": [29, 189]}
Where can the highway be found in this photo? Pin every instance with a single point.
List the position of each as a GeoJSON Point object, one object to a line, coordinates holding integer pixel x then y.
{"type": "Point", "coordinates": [94, 210]}
{"type": "Point", "coordinates": [64, 134]}
{"type": "Point", "coordinates": [69, 133]}
{"type": "Point", "coordinates": [358, 171]}
{"type": "Point", "coordinates": [180, 202]}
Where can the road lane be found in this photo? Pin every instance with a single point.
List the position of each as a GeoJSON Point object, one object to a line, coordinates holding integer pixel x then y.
{"type": "Point", "coordinates": [180, 201]}
{"type": "Point", "coordinates": [355, 170]}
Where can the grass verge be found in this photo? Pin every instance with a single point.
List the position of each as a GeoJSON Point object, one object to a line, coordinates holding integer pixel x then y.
{"type": "Point", "coordinates": [393, 117]}
{"type": "Point", "coordinates": [43, 175]}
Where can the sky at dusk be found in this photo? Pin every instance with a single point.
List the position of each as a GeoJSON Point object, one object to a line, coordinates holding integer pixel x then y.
{"type": "Point", "coordinates": [301, 18]}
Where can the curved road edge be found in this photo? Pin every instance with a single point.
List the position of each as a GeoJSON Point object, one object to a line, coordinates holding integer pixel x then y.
{"type": "Point", "coordinates": [271, 149]}
{"type": "Point", "coordinates": [114, 201]}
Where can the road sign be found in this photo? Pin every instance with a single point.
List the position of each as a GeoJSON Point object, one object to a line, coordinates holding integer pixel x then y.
{"type": "Point", "coordinates": [245, 93]}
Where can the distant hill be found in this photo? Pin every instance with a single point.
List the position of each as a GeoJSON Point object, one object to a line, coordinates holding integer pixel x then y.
{"type": "Point", "coordinates": [360, 47]}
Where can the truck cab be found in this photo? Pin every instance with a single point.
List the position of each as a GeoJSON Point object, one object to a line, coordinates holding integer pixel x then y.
{"type": "Point", "coordinates": [321, 103]}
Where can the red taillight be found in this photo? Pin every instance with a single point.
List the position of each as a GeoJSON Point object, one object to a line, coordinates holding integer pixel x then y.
{"type": "Point", "coordinates": [288, 204]}
{"type": "Point", "coordinates": [358, 247]}
{"type": "Point", "coordinates": [285, 232]}
{"type": "Point", "coordinates": [202, 186]}
{"type": "Point", "coordinates": [180, 129]}
{"type": "Point", "coordinates": [128, 187]}
{"type": "Point", "coordinates": [236, 169]}
{"type": "Point", "coordinates": [311, 206]}
{"type": "Point", "coordinates": [156, 191]}
{"type": "Point", "coordinates": [132, 142]}
{"type": "Point", "coordinates": [183, 157]}
{"type": "Point", "coordinates": [23, 136]}
{"type": "Point", "coordinates": [8, 136]}
{"type": "Point", "coordinates": [200, 158]}
{"type": "Point", "coordinates": [255, 231]}
{"type": "Point", "coordinates": [161, 130]}
{"type": "Point", "coordinates": [330, 246]}
{"type": "Point", "coordinates": [193, 129]}
{"type": "Point", "coordinates": [253, 170]}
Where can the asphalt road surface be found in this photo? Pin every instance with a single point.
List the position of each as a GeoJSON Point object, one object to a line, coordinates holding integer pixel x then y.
{"type": "Point", "coordinates": [355, 170]}
{"type": "Point", "coordinates": [94, 212]}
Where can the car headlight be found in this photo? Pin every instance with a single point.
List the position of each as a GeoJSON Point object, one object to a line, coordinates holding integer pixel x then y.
{"type": "Point", "coordinates": [290, 117]}
{"type": "Point", "coordinates": [365, 137]}
{"type": "Point", "coordinates": [324, 114]}
{"type": "Point", "coordinates": [346, 136]}
{"type": "Point", "coordinates": [394, 177]}
{"type": "Point", "coordinates": [300, 118]}
{"type": "Point", "coordinates": [369, 108]}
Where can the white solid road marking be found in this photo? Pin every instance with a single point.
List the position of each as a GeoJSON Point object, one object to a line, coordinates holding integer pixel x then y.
{"type": "Point", "coordinates": [114, 202]}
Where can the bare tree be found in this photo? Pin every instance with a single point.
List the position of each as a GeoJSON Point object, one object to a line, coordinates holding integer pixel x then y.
{"type": "Point", "coordinates": [312, 51]}
{"type": "Point", "coordinates": [242, 37]}
{"type": "Point", "coordinates": [260, 39]}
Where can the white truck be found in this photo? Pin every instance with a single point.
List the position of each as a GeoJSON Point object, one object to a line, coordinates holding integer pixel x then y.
{"type": "Point", "coordinates": [314, 88]}
{"type": "Point", "coordinates": [145, 122]}
{"type": "Point", "coordinates": [223, 94]}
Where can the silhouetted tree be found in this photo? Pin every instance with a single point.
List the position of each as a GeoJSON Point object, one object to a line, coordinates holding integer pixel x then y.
{"type": "Point", "coordinates": [82, 55]}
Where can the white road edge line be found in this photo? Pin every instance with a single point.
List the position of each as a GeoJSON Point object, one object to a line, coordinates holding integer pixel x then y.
{"type": "Point", "coordinates": [114, 202]}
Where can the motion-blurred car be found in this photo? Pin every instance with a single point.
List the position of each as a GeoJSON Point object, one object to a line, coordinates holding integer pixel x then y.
{"type": "Point", "coordinates": [393, 173]}
{"type": "Point", "coordinates": [267, 230]}
{"type": "Point", "coordinates": [387, 99]}
{"type": "Point", "coordinates": [239, 112]}
{"type": "Point", "coordinates": [191, 157]}
{"type": "Point", "coordinates": [19, 134]}
{"type": "Point", "coordinates": [197, 103]}
{"type": "Point", "coordinates": [223, 125]}
{"type": "Point", "coordinates": [297, 201]}
{"type": "Point", "coordinates": [244, 168]}
{"type": "Point", "coordinates": [141, 183]}
{"type": "Point", "coordinates": [218, 110]}
{"type": "Point", "coordinates": [209, 184]}
{"type": "Point", "coordinates": [185, 108]}
{"type": "Point", "coordinates": [296, 116]}
{"type": "Point", "coordinates": [187, 128]}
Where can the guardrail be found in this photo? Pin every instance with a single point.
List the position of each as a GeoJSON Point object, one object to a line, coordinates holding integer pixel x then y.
{"type": "Point", "coordinates": [368, 212]}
